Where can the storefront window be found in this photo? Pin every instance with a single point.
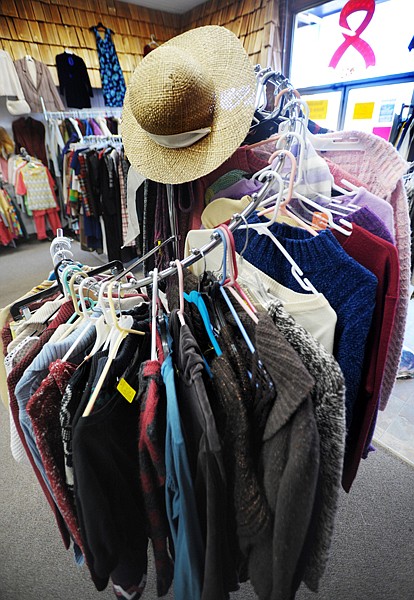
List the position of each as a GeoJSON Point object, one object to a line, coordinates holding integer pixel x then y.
{"type": "Point", "coordinates": [352, 40]}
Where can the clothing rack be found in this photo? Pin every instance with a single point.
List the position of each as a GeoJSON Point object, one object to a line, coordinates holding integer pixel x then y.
{"type": "Point", "coordinates": [96, 139]}
{"type": "Point", "coordinates": [280, 82]}
{"type": "Point", "coordinates": [199, 253]}
{"type": "Point", "coordinates": [79, 113]}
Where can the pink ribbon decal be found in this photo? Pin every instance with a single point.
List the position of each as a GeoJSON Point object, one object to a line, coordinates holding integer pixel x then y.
{"type": "Point", "coordinates": [354, 40]}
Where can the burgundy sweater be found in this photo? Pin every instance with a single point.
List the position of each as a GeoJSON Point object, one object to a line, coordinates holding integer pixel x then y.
{"type": "Point", "coordinates": [381, 258]}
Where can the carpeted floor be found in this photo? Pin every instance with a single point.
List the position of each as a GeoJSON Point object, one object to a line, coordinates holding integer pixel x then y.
{"type": "Point", "coordinates": [372, 552]}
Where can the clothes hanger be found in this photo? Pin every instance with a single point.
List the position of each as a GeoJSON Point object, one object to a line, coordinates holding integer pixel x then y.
{"type": "Point", "coordinates": [154, 312]}
{"type": "Point", "coordinates": [100, 25]}
{"type": "Point", "coordinates": [281, 206]}
{"type": "Point", "coordinates": [180, 312]}
{"type": "Point", "coordinates": [297, 273]}
{"type": "Point", "coordinates": [347, 230]}
{"type": "Point", "coordinates": [124, 327]}
{"type": "Point", "coordinates": [196, 297]}
{"type": "Point", "coordinates": [85, 318]}
{"type": "Point", "coordinates": [102, 324]}
{"type": "Point", "coordinates": [153, 41]}
{"type": "Point", "coordinates": [231, 283]}
{"type": "Point", "coordinates": [125, 322]}
{"type": "Point", "coordinates": [240, 325]}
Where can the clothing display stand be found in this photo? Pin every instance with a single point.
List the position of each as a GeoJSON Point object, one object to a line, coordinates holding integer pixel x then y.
{"type": "Point", "coordinates": [78, 113]}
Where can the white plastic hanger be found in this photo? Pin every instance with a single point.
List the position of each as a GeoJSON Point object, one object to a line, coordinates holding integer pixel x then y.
{"type": "Point", "coordinates": [90, 323]}
{"type": "Point", "coordinates": [124, 327]}
{"type": "Point", "coordinates": [281, 206]}
{"type": "Point", "coordinates": [180, 290]}
{"type": "Point", "coordinates": [347, 230]}
{"type": "Point", "coordinates": [102, 325]}
{"type": "Point", "coordinates": [297, 273]}
{"type": "Point", "coordinates": [154, 312]}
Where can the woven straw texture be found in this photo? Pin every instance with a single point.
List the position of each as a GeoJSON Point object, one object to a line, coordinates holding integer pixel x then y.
{"type": "Point", "coordinates": [198, 79]}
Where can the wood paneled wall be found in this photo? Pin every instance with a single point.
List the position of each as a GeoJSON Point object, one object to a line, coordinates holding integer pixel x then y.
{"type": "Point", "coordinates": [44, 28]}
{"type": "Point", "coordinates": [255, 22]}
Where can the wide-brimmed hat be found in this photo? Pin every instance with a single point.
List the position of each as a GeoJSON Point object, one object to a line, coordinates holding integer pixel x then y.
{"type": "Point", "coordinates": [189, 105]}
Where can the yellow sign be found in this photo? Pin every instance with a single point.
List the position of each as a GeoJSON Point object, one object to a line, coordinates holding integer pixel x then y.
{"type": "Point", "coordinates": [318, 109]}
{"type": "Point", "coordinates": [364, 110]}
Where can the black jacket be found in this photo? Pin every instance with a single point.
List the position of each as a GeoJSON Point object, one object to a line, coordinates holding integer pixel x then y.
{"type": "Point", "coordinates": [74, 80]}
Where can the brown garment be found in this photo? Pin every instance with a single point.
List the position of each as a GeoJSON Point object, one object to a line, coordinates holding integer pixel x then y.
{"type": "Point", "coordinates": [30, 134]}
{"type": "Point", "coordinates": [44, 87]}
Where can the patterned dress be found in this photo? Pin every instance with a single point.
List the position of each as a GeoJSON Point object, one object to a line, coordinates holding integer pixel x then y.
{"type": "Point", "coordinates": [113, 83]}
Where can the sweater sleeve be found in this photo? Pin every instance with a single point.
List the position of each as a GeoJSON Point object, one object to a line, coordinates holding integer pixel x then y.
{"type": "Point", "coordinates": [85, 77]}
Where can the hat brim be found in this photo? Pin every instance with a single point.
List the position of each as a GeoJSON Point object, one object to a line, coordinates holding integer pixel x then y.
{"type": "Point", "coordinates": [222, 54]}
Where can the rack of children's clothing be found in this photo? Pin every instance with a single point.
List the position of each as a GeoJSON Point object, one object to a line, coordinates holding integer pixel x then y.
{"type": "Point", "coordinates": [215, 405]}
{"type": "Point", "coordinates": [35, 191]}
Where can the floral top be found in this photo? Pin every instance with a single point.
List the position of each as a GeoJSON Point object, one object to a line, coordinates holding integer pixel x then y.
{"type": "Point", "coordinates": [113, 83]}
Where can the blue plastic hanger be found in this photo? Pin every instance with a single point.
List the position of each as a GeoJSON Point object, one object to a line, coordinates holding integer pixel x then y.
{"type": "Point", "coordinates": [196, 298]}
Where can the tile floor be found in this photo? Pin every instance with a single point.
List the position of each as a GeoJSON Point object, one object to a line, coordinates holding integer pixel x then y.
{"type": "Point", "coordinates": [395, 426]}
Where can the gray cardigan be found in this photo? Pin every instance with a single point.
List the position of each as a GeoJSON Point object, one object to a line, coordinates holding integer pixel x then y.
{"type": "Point", "coordinates": [44, 87]}
{"type": "Point", "coordinates": [290, 468]}
{"type": "Point", "coordinates": [328, 399]}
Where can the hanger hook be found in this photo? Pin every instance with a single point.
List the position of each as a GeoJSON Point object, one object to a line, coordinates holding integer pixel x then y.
{"type": "Point", "coordinates": [246, 239]}
{"type": "Point", "coordinates": [219, 232]}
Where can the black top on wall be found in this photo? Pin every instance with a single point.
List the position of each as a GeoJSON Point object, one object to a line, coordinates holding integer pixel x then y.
{"type": "Point", "coordinates": [74, 80]}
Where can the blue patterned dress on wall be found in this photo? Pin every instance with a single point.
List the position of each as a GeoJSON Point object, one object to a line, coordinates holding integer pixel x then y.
{"type": "Point", "coordinates": [113, 83]}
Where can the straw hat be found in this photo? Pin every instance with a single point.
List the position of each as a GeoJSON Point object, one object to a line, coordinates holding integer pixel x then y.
{"type": "Point", "coordinates": [189, 105]}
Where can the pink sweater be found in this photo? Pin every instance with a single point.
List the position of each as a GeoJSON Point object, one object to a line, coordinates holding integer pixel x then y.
{"type": "Point", "coordinates": [379, 167]}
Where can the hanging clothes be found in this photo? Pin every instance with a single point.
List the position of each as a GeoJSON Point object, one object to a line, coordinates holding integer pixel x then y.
{"type": "Point", "coordinates": [10, 83]}
{"type": "Point", "coordinates": [349, 288]}
{"type": "Point", "coordinates": [29, 133]}
{"type": "Point", "coordinates": [35, 183]}
{"type": "Point", "coordinates": [74, 81]}
{"type": "Point", "coordinates": [380, 168]}
{"type": "Point", "coordinates": [41, 86]}
{"type": "Point", "coordinates": [113, 83]}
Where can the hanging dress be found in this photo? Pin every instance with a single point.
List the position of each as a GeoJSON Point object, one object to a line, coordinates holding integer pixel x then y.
{"type": "Point", "coordinates": [112, 78]}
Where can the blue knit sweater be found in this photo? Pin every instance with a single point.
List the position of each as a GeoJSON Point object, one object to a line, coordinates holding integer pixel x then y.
{"type": "Point", "coordinates": [349, 287]}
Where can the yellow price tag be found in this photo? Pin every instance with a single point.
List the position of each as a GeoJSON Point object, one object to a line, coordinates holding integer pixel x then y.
{"type": "Point", "coordinates": [126, 390]}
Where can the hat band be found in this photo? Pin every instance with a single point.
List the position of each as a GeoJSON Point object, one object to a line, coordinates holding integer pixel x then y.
{"type": "Point", "coordinates": [180, 140]}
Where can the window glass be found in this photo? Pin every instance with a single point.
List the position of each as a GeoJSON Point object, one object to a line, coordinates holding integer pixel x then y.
{"type": "Point", "coordinates": [373, 41]}
{"type": "Point", "coordinates": [324, 108]}
{"type": "Point", "coordinates": [372, 109]}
